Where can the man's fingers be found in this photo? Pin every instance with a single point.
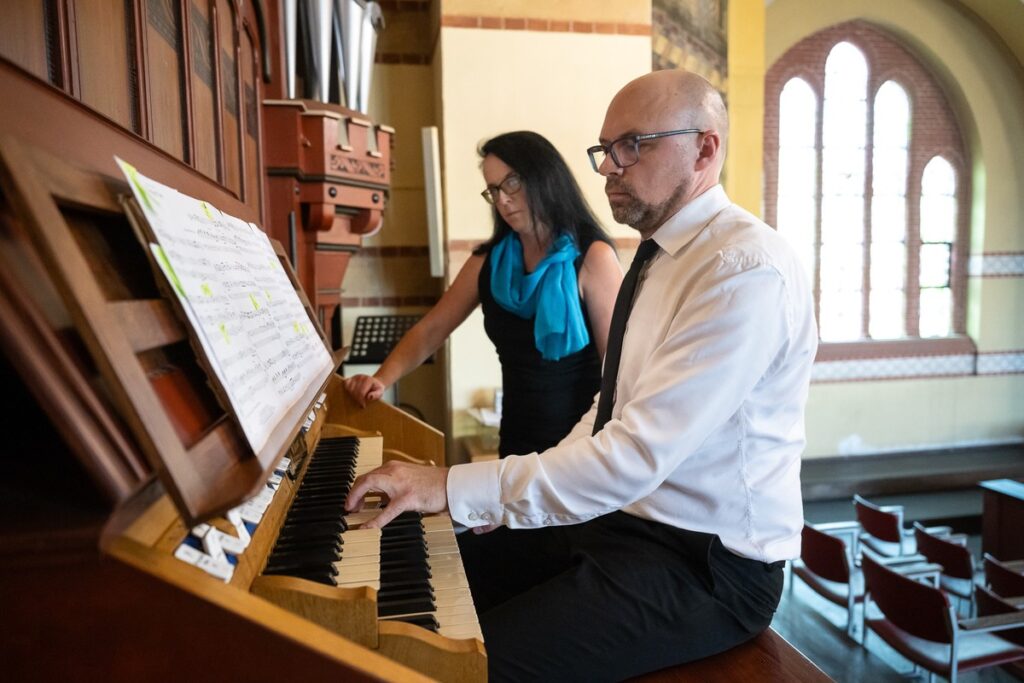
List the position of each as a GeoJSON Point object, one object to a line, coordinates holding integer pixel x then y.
{"type": "Point", "coordinates": [394, 508]}
{"type": "Point", "coordinates": [371, 481]}
{"type": "Point", "coordinates": [374, 394]}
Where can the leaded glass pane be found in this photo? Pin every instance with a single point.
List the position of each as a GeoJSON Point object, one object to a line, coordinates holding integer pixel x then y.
{"type": "Point", "coordinates": [798, 113]}
{"type": "Point", "coordinates": [888, 219]}
{"type": "Point", "coordinates": [887, 313]}
{"type": "Point", "coordinates": [797, 171]}
{"type": "Point", "coordinates": [936, 312]}
{"type": "Point", "coordinates": [938, 218]}
{"type": "Point", "coordinates": [845, 124]}
{"type": "Point", "coordinates": [842, 171]}
{"type": "Point", "coordinates": [888, 266]}
{"type": "Point", "coordinates": [892, 117]}
{"type": "Point", "coordinates": [842, 267]}
{"type": "Point", "coordinates": [939, 177]}
{"type": "Point", "coordinates": [845, 71]}
{"type": "Point", "coordinates": [842, 220]}
{"type": "Point", "coordinates": [890, 172]}
{"type": "Point", "coordinates": [935, 265]}
{"type": "Point", "coordinates": [840, 318]}
{"type": "Point", "coordinates": [938, 202]}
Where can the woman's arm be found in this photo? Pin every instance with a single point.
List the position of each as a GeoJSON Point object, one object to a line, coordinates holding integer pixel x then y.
{"type": "Point", "coordinates": [600, 278]}
{"type": "Point", "coordinates": [425, 337]}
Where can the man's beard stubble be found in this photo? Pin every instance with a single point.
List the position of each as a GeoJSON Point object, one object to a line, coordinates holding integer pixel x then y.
{"type": "Point", "coordinates": [642, 216]}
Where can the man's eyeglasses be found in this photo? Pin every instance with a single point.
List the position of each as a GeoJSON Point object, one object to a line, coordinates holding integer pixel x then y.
{"type": "Point", "coordinates": [626, 150]}
{"type": "Point", "coordinates": [510, 185]}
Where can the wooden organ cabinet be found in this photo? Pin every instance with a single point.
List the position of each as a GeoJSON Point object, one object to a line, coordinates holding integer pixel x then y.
{"type": "Point", "coordinates": [116, 447]}
{"type": "Point", "coordinates": [328, 173]}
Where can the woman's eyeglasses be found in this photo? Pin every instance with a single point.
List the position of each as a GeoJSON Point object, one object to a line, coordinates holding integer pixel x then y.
{"type": "Point", "coordinates": [510, 185]}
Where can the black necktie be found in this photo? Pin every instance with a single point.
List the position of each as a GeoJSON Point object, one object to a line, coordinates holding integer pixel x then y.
{"type": "Point", "coordinates": [612, 354]}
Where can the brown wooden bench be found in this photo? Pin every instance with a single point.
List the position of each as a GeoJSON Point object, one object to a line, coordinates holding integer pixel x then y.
{"type": "Point", "coordinates": [767, 657]}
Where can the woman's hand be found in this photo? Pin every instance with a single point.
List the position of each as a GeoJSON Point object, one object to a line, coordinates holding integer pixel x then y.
{"type": "Point", "coordinates": [364, 389]}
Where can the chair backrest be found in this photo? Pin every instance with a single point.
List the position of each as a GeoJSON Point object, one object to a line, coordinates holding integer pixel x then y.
{"type": "Point", "coordinates": [989, 604]}
{"type": "Point", "coordinates": [825, 555]}
{"type": "Point", "coordinates": [1001, 579]}
{"type": "Point", "coordinates": [917, 608]}
{"type": "Point", "coordinates": [881, 524]}
{"type": "Point", "coordinates": [955, 559]}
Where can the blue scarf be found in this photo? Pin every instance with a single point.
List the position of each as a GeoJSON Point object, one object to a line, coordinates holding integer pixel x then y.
{"type": "Point", "coordinates": [550, 294]}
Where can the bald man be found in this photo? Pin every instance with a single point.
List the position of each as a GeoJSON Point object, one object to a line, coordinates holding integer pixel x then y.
{"type": "Point", "coordinates": [656, 531]}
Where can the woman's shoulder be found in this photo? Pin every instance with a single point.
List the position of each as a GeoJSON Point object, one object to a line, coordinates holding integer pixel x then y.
{"type": "Point", "coordinates": [598, 251]}
{"type": "Point", "coordinates": [600, 267]}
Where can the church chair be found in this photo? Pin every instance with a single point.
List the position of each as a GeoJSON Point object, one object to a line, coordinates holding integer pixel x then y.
{"type": "Point", "coordinates": [990, 604]}
{"type": "Point", "coordinates": [918, 621]}
{"type": "Point", "coordinates": [826, 567]}
{"type": "Point", "coordinates": [958, 570]}
{"type": "Point", "coordinates": [882, 531]}
{"type": "Point", "coordinates": [1003, 581]}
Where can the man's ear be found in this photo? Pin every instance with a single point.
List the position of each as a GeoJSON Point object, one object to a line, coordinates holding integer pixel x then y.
{"type": "Point", "coordinates": [710, 144]}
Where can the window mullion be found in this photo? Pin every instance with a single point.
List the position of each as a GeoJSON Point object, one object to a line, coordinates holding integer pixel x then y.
{"type": "Point", "coordinates": [869, 166]}
{"type": "Point", "coordinates": [914, 246]}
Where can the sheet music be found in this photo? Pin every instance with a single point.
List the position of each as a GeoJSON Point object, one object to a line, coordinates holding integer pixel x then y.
{"type": "Point", "coordinates": [254, 329]}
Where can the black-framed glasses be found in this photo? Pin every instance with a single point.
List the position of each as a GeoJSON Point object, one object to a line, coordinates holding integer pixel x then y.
{"type": "Point", "coordinates": [626, 150]}
{"type": "Point", "coordinates": [510, 185]}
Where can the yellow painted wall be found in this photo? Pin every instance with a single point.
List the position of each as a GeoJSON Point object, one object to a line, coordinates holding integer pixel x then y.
{"type": "Point", "coordinates": [745, 154]}
{"type": "Point", "coordinates": [985, 83]}
{"type": "Point", "coordinates": [898, 415]}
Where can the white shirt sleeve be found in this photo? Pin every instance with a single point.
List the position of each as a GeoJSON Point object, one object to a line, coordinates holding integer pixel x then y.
{"type": "Point", "coordinates": [721, 341]}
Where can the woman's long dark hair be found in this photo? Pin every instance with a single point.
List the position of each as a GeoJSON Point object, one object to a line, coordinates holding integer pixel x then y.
{"type": "Point", "coordinates": [551, 190]}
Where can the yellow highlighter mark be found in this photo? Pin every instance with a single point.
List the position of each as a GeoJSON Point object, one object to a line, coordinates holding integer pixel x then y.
{"type": "Point", "coordinates": [205, 288]}
{"type": "Point", "coordinates": [224, 332]}
{"type": "Point", "coordinates": [133, 175]}
{"type": "Point", "coordinates": [255, 304]}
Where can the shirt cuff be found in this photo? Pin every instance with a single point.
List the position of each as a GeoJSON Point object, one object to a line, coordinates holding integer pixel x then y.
{"type": "Point", "coordinates": [474, 493]}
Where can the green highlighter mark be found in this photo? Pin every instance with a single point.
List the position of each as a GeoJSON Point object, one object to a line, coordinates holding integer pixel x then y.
{"type": "Point", "coordinates": [134, 176]}
{"type": "Point", "coordinates": [170, 271]}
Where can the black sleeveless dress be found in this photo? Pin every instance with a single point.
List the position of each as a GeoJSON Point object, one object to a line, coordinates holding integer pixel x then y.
{"type": "Point", "coordinates": [542, 399]}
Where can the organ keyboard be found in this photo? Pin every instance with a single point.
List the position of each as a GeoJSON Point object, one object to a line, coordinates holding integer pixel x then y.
{"type": "Point", "coordinates": [226, 562]}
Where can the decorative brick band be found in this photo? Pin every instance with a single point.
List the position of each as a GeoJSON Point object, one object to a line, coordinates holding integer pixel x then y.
{"type": "Point", "coordinates": [415, 250]}
{"type": "Point", "coordinates": [545, 25]}
{"type": "Point", "coordinates": [996, 264]}
{"type": "Point", "coordinates": [621, 243]}
{"type": "Point", "coordinates": [386, 301]}
{"type": "Point", "coordinates": [1001, 363]}
{"type": "Point", "coordinates": [919, 367]}
{"type": "Point", "coordinates": [402, 58]}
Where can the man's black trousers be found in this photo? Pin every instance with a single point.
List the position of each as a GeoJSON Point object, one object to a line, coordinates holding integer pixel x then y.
{"type": "Point", "coordinates": [611, 598]}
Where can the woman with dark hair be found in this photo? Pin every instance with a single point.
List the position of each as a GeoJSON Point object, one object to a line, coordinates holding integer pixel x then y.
{"type": "Point", "coordinates": [546, 280]}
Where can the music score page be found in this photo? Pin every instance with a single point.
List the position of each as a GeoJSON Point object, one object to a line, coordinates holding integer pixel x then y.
{"type": "Point", "coordinates": [256, 334]}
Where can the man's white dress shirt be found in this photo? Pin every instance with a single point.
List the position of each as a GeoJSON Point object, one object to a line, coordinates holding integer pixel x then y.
{"type": "Point", "coordinates": [708, 424]}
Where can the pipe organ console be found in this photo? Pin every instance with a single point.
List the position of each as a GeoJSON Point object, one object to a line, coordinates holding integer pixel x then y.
{"type": "Point", "coordinates": [143, 538]}
{"type": "Point", "coordinates": [223, 544]}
